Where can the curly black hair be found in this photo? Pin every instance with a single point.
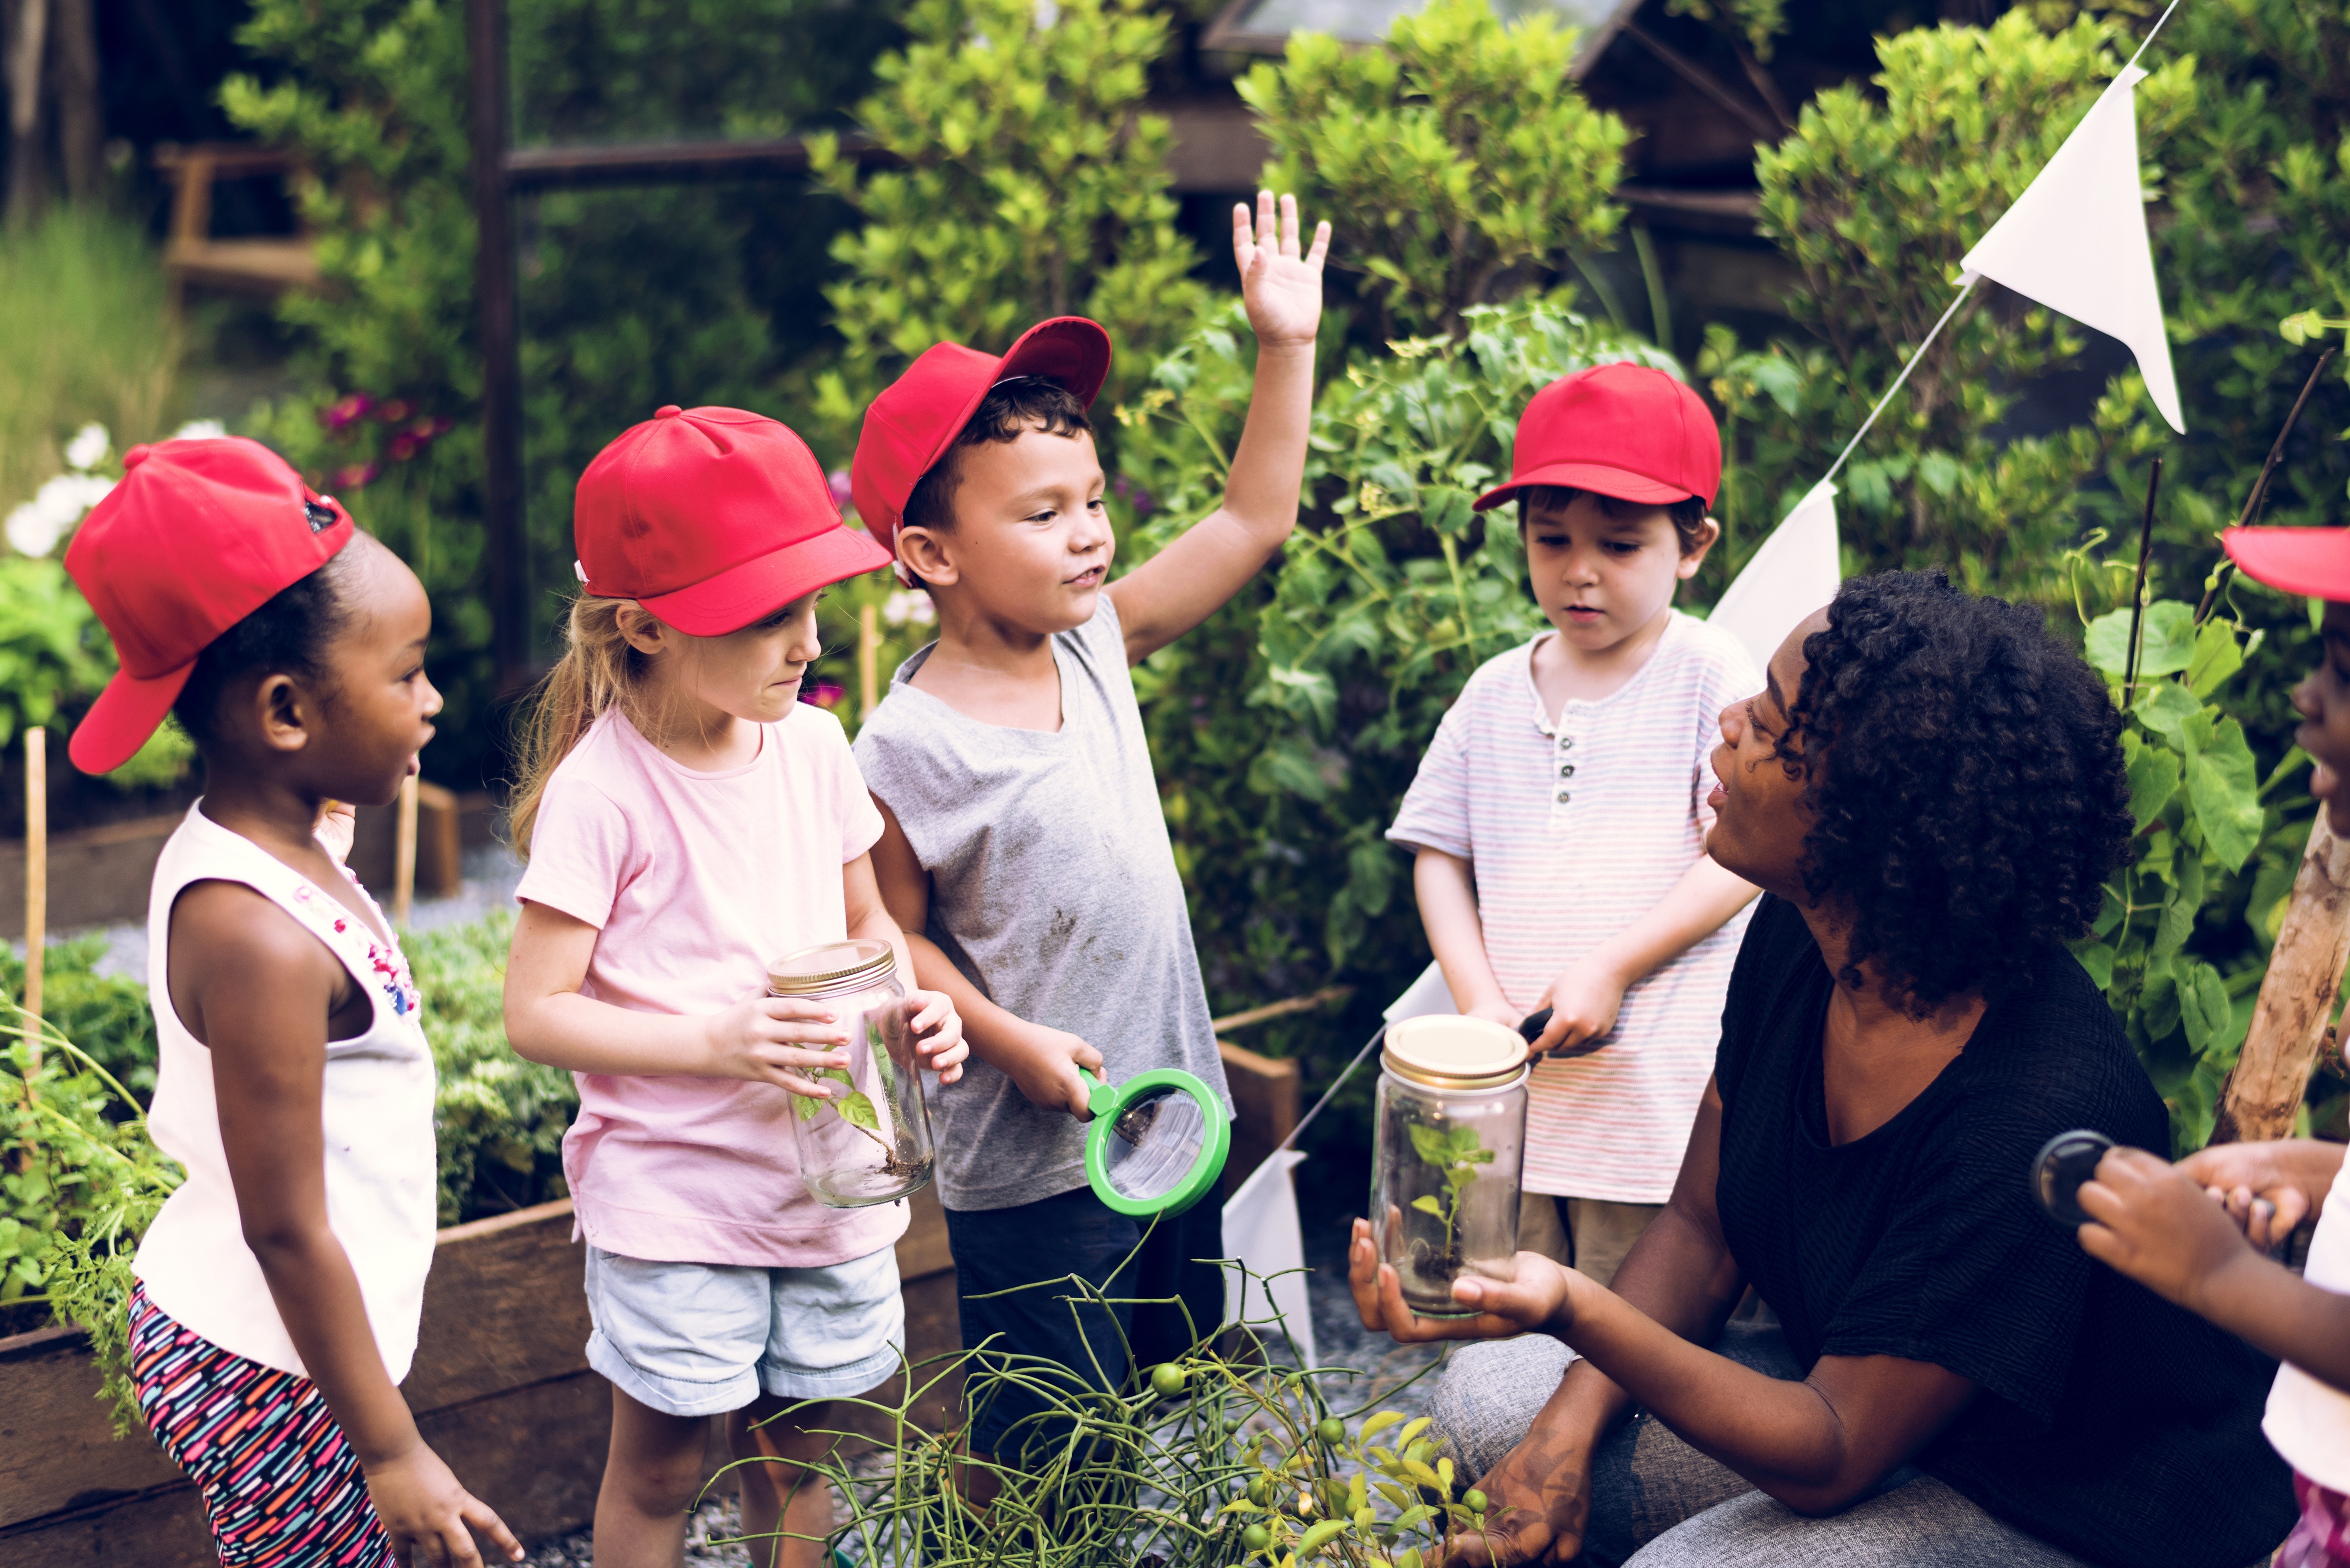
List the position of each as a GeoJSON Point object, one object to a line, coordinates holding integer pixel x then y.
{"type": "Point", "coordinates": [289, 633]}
{"type": "Point", "coordinates": [1972, 799]}
{"type": "Point", "coordinates": [1010, 408]}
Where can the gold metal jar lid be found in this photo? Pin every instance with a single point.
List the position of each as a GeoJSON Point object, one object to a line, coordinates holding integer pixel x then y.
{"type": "Point", "coordinates": [1445, 1051]}
{"type": "Point", "coordinates": [831, 966]}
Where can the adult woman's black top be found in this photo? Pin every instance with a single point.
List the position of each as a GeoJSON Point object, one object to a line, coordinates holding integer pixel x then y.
{"type": "Point", "coordinates": [2109, 1423]}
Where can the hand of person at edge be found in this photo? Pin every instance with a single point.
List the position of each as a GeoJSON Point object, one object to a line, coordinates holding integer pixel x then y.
{"type": "Point", "coordinates": [1047, 1071]}
{"type": "Point", "coordinates": [338, 825]}
{"type": "Point", "coordinates": [2268, 1187]}
{"type": "Point", "coordinates": [2152, 1221]}
{"type": "Point", "coordinates": [425, 1512]}
{"type": "Point", "coordinates": [1537, 1506]}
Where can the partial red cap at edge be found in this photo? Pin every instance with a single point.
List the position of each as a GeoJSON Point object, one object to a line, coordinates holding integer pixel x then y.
{"type": "Point", "coordinates": [198, 536]}
{"type": "Point", "coordinates": [1630, 431]}
{"type": "Point", "coordinates": [2313, 562]}
{"type": "Point", "coordinates": [712, 518]}
{"type": "Point", "coordinates": [917, 418]}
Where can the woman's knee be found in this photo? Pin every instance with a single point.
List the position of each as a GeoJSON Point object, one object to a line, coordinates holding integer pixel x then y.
{"type": "Point", "coordinates": [1489, 1394]}
{"type": "Point", "coordinates": [1920, 1520]}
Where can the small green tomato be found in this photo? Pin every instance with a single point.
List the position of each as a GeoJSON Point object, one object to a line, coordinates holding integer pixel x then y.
{"type": "Point", "coordinates": [1256, 1538]}
{"type": "Point", "coordinates": [1331, 1430]}
{"type": "Point", "coordinates": [1474, 1499]}
{"type": "Point", "coordinates": [1260, 1492]}
{"type": "Point", "coordinates": [1166, 1380]}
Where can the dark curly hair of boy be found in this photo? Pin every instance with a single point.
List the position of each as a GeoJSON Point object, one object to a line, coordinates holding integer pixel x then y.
{"type": "Point", "coordinates": [1972, 799]}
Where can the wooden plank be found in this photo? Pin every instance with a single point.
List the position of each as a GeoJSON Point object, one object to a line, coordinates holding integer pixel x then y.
{"type": "Point", "coordinates": [2262, 1094]}
{"type": "Point", "coordinates": [159, 1529]}
{"type": "Point", "coordinates": [97, 876]}
{"type": "Point", "coordinates": [440, 854]}
{"type": "Point", "coordinates": [536, 1453]}
{"type": "Point", "coordinates": [58, 1450]}
{"type": "Point", "coordinates": [520, 1273]}
{"type": "Point", "coordinates": [1264, 1108]}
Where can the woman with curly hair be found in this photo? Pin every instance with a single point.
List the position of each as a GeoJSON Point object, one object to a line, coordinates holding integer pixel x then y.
{"type": "Point", "coordinates": [1929, 790]}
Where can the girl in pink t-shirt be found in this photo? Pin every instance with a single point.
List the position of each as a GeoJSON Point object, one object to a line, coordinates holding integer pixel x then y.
{"type": "Point", "coordinates": [688, 820]}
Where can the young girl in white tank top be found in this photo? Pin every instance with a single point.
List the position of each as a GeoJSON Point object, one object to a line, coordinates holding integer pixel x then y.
{"type": "Point", "coordinates": [280, 1287]}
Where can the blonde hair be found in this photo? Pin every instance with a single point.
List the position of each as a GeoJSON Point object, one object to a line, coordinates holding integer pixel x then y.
{"type": "Point", "coordinates": [599, 670]}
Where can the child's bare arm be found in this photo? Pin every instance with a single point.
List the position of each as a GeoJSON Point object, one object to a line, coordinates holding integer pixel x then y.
{"type": "Point", "coordinates": [1184, 584]}
{"type": "Point", "coordinates": [268, 1045]}
{"type": "Point", "coordinates": [2155, 1222]}
{"type": "Point", "coordinates": [1447, 892]}
{"type": "Point", "coordinates": [936, 1023]}
{"type": "Point", "coordinates": [2269, 1187]}
{"type": "Point", "coordinates": [1588, 994]}
{"type": "Point", "coordinates": [771, 1039]}
{"type": "Point", "coordinates": [1043, 1062]}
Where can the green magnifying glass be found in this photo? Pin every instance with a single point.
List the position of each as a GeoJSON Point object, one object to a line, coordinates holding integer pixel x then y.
{"type": "Point", "coordinates": [1158, 1141]}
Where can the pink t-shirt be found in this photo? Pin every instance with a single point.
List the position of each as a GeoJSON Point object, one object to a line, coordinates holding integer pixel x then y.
{"type": "Point", "coordinates": [696, 881]}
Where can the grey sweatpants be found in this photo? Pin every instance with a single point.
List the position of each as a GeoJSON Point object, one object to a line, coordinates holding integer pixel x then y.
{"type": "Point", "coordinates": [1656, 1502]}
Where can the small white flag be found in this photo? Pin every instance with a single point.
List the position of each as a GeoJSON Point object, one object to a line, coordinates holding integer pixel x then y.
{"type": "Point", "coordinates": [1261, 1230]}
{"type": "Point", "coordinates": [1794, 572]}
{"type": "Point", "coordinates": [2076, 240]}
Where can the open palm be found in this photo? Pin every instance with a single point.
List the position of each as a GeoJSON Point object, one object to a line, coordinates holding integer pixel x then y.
{"type": "Point", "coordinates": [1280, 287]}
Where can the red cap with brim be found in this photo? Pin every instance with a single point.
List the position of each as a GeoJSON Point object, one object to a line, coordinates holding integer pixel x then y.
{"type": "Point", "coordinates": [1597, 478]}
{"type": "Point", "coordinates": [740, 594]}
{"type": "Point", "coordinates": [2313, 562]}
{"type": "Point", "coordinates": [917, 416]}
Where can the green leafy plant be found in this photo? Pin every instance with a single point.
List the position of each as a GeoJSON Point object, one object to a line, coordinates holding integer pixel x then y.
{"type": "Point", "coordinates": [1205, 1462]}
{"type": "Point", "coordinates": [1457, 1152]}
{"type": "Point", "coordinates": [1452, 156]}
{"type": "Point", "coordinates": [1035, 186]}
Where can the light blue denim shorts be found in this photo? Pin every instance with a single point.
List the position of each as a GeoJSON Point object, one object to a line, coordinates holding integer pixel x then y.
{"type": "Point", "coordinates": [701, 1339]}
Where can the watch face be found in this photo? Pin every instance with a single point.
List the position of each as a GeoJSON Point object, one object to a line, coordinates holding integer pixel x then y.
{"type": "Point", "coordinates": [2066, 1161]}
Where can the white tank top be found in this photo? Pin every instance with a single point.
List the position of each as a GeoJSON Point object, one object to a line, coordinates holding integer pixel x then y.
{"type": "Point", "coordinates": [2308, 1421]}
{"type": "Point", "coordinates": [376, 1110]}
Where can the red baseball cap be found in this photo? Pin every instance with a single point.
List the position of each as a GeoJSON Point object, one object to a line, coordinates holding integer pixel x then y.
{"type": "Point", "coordinates": [711, 518]}
{"type": "Point", "coordinates": [198, 536]}
{"type": "Point", "coordinates": [1631, 431]}
{"type": "Point", "coordinates": [2313, 562]}
{"type": "Point", "coordinates": [917, 418]}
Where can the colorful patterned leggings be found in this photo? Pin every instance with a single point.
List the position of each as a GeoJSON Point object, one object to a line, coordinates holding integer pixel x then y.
{"type": "Point", "coordinates": [280, 1485]}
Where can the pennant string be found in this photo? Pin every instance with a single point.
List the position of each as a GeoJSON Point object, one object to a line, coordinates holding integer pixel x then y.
{"type": "Point", "coordinates": [1837, 466]}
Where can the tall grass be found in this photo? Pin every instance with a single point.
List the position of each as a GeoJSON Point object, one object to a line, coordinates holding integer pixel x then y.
{"type": "Point", "coordinates": [87, 333]}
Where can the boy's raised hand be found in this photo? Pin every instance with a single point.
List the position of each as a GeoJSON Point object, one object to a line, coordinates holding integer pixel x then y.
{"type": "Point", "coordinates": [1281, 288]}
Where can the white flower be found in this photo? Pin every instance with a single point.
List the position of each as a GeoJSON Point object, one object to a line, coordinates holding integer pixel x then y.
{"type": "Point", "coordinates": [89, 447]}
{"type": "Point", "coordinates": [199, 430]}
{"type": "Point", "coordinates": [32, 531]}
{"type": "Point", "coordinates": [35, 527]}
{"type": "Point", "coordinates": [909, 604]}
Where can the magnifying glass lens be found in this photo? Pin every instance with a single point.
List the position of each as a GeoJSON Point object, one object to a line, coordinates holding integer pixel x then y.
{"type": "Point", "coordinates": [1159, 1140]}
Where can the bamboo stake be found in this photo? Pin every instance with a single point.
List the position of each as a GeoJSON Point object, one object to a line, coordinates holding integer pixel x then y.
{"type": "Point", "coordinates": [2263, 1092]}
{"type": "Point", "coordinates": [37, 887]}
{"type": "Point", "coordinates": [2138, 599]}
{"type": "Point", "coordinates": [868, 662]}
{"type": "Point", "coordinates": [403, 855]}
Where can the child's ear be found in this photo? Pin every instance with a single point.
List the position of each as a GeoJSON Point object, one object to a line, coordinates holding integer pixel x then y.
{"type": "Point", "coordinates": [643, 630]}
{"type": "Point", "coordinates": [1708, 531]}
{"type": "Point", "coordinates": [284, 709]}
{"type": "Point", "coordinates": [925, 554]}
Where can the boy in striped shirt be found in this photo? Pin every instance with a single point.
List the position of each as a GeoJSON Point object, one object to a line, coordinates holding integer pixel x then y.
{"type": "Point", "coordinates": [1559, 817]}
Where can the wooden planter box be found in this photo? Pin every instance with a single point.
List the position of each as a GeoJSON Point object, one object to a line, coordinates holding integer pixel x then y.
{"type": "Point", "coordinates": [501, 1389]}
{"type": "Point", "coordinates": [501, 1385]}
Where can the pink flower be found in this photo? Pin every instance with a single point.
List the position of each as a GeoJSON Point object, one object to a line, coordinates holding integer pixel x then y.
{"type": "Point", "coordinates": [404, 446]}
{"type": "Point", "coordinates": [822, 693]}
{"type": "Point", "coordinates": [395, 410]}
{"type": "Point", "coordinates": [837, 482]}
{"type": "Point", "coordinates": [343, 411]}
{"type": "Point", "coordinates": [1134, 495]}
{"type": "Point", "coordinates": [355, 476]}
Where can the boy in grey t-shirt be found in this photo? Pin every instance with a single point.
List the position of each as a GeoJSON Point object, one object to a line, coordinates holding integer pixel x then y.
{"type": "Point", "coordinates": [1023, 838]}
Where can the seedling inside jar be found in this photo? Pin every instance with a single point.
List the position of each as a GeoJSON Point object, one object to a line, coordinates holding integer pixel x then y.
{"type": "Point", "coordinates": [1457, 1152]}
{"type": "Point", "coordinates": [856, 1109]}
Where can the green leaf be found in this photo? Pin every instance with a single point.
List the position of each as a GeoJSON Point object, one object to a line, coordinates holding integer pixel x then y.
{"type": "Point", "coordinates": [2217, 656]}
{"type": "Point", "coordinates": [2223, 788]}
{"type": "Point", "coordinates": [1426, 1204]}
{"type": "Point", "coordinates": [2153, 779]}
{"type": "Point", "coordinates": [1431, 1145]}
{"type": "Point", "coordinates": [805, 1108]}
{"type": "Point", "coordinates": [2203, 1006]}
{"type": "Point", "coordinates": [2167, 639]}
{"type": "Point", "coordinates": [2164, 708]}
{"type": "Point", "coordinates": [858, 1111]}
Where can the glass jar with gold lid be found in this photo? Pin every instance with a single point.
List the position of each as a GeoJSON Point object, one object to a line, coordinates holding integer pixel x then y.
{"type": "Point", "coordinates": [1451, 1128]}
{"type": "Point", "coordinates": [871, 1141]}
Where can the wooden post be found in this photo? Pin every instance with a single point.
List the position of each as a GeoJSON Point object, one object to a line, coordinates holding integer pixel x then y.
{"type": "Point", "coordinates": [403, 855]}
{"type": "Point", "coordinates": [2262, 1094]}
{"type": "Point", "coordinates": [36, 888]}
{"type": "Point", "coordinates": [868, 662]}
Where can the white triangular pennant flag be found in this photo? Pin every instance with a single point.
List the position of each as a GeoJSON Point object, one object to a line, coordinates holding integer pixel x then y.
{"type": "Point", "coordinates": [1261, 1230]}
{"type": "Point", "coordinates": [2076, 240]}
{"type": "Point", "coordinates": [1794, 572]}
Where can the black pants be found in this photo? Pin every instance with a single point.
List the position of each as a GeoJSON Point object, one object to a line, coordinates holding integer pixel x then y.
{"type": "Point", "coordinates": [1038, 1246]}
